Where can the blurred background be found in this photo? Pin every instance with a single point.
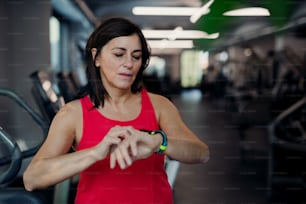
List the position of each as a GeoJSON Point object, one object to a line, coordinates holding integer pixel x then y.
{"type": "Point", "coordinates": [235, 69]}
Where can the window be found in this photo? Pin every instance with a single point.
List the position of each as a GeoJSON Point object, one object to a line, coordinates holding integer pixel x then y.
{"type": "Point", "coordinates": [54, 33]}
{"type": "Point", "coordinates": [193, 63]}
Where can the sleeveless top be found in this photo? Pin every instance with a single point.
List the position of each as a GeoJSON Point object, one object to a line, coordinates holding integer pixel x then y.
{"type": "Point", "coordinates": [144, 182]}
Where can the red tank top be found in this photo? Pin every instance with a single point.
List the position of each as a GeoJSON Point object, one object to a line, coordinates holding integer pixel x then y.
{"type": "Point", "coordinates": [144, 182]}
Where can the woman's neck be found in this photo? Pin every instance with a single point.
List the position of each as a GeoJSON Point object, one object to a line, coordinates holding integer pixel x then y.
{"type": "Point", "coordinates": [122, 106]}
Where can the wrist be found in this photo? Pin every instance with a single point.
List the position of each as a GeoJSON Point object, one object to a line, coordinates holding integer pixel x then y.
{"type": "Point", "coordinates": [163, 144]}
{"type": "Point", "coordinates": [93, 152]}
{"type": "Point", "coordinates": [159, 139]}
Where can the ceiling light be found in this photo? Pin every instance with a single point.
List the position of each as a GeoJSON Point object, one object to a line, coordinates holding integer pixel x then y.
{"type": "Point", "coordinates": [251, 11]}
{"type": "Point", "coordinates": [178, 33]}
{"type": "Point", "coordinates": [164, 11]}
{"type": "Point", "coordinates": [163, 44]}
{"type": "Point", "coordinates": [175, 32]}
{"type": "Point", "coordinates": [202, 11]}
{"type": "Point", "coordinates": [194, 12]}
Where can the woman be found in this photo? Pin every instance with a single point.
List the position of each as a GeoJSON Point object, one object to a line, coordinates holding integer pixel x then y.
{"type": "Point", "coordinates": [121, 132]}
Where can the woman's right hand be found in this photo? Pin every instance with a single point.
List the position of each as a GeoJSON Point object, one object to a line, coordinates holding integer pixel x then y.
{"type": "Point", "coordinates": [136, 145]}
{"type": "Point", "coordinates": [113, 138]}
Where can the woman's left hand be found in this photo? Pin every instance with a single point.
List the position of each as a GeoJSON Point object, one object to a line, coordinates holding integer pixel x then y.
{"type": "Point", "coordinates": [137, 145]}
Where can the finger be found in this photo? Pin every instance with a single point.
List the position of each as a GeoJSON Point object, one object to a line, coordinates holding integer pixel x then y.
{"type": "Point", "coordinates": [134, 140]}
{"type": "Point", "coordinates": [112, 161]}
{"type": "Point", "coordinates": [126, 133]}
{"type": "Point", "coordinates": [112, 158]}
{"type": "Point", "coordinates": [125, 153]}
{"type": "Point", "coordinates": [133, 146]}
{"type": "Point", "coordinates": [120, 132]}
{"type": "Point", "coordinates": [114, 140]}
{"type": "Point", "coordinates": [119, 158]}
{"type": "Point", "coordinates": [109, 141]}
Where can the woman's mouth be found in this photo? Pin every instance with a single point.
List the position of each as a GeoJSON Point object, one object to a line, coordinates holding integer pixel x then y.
{"type": "Point", "coordinates": [126, 75]}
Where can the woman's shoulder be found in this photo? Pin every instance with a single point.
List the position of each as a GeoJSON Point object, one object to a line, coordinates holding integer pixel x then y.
{"type": "Point", "coordinates": [164, 108]}
{"type": "Point", "coordinates": [68, 118]}
{"type": "Point", "coordinates": [159, 101]}
{"type": "Point", "coordinates": [157, 97]}
{"type": "Point", "coordinates": [73, 105]}
{"type": "Point", "coordinates": [70, 109]}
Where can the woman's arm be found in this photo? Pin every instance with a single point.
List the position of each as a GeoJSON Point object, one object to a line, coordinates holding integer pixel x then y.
{"type": "Point", "coordinates": [183, 144]}
{"type": "Point", "coordinates": [53, 164]}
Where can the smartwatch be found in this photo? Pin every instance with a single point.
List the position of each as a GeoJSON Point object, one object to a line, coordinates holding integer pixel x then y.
{"type": "Point", "coordinates": [163, 146]}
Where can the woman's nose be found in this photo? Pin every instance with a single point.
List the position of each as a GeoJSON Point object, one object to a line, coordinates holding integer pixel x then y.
{"type": "Point", "coordinates": [128, 62]}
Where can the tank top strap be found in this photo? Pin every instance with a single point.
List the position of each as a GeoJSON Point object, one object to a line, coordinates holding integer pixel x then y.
{"type": "Point", "coordinates": [86, 103]}
{"type": "Point", "coordinates": [148, 110]}
{"type": "Point", "coordinates": [146, 101]}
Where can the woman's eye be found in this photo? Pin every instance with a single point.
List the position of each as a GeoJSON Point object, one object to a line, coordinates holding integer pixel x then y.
{"type": "Point", "coordinates": [118, 55]}
{"type": "Point", "coordinates": [137, 57]}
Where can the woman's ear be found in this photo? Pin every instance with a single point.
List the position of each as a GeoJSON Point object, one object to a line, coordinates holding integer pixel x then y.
{"type": "Point", "coordinates": [93, 53]}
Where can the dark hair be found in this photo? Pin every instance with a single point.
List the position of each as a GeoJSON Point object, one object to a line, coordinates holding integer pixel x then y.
{"type": "Point", "coordinates": [106, 31]}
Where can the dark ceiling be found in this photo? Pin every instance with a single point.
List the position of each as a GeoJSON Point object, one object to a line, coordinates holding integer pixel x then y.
{"type": "Point", "coordinates": [282, 12]}
{"type": "Point", "coordinates": [105, 8]}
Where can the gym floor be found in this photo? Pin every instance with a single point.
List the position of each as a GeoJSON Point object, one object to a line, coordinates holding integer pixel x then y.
{"type": "Point", "coordinates": [231, 175]}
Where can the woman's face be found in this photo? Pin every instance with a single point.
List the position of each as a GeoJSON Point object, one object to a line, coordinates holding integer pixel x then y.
{"type": "Point", "coordinates": [119, 61]}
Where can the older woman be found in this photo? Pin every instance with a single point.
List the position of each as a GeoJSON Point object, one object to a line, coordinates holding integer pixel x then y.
{"type": "Point", "coordinates": [122, 133]}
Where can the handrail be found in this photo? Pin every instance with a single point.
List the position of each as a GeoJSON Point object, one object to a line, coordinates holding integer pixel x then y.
{"type": "Point", "coordinates": [35, 116]}
{"type": "Point", "coordinates": [283, 115]}
{"type": "Point", "coordinates": [15, 161]}
{"type": "Point", "coordinates": [276, 141]}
